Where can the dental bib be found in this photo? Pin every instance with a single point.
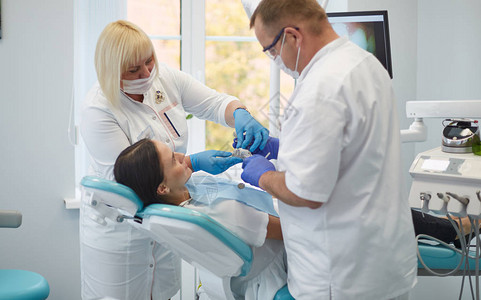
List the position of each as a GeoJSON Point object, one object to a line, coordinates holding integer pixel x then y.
{"type": "Point", "coordinates": [209, 189]}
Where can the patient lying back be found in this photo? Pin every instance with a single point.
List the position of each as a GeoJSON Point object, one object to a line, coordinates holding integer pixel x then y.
{"type": "Point", "coordinates": [158, 175]}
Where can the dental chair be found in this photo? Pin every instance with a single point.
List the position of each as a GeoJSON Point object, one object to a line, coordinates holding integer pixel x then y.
{"type": "Point", "coordinates": [199, 240]}
{"type": "Point", "coordinates": [20, 284]}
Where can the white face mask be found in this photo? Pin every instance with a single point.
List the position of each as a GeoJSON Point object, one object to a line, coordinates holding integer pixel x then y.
{"type": "Point", "coordinates": [278, 60]}
{"type": "Point", "coordinates": [139, 86]}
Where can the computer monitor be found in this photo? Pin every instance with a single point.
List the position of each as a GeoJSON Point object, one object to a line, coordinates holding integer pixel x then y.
{"type": "Point", "coordinates": [368, 29]}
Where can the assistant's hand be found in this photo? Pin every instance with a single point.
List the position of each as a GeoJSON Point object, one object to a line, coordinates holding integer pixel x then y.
{"type": "Point", "coordinates": [255, 133]}
{"type": "Point", "coordinates": [213, 161]}
{"type": "Point", "coordinates": [254, 166]}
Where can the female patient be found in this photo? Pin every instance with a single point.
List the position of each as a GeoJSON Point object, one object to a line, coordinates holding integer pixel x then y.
{"type": "Point", "coordinates": [158, 175]}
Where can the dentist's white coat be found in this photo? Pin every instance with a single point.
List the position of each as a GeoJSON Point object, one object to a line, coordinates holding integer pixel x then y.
{"type": "Point", "coordinates": [340, 145]}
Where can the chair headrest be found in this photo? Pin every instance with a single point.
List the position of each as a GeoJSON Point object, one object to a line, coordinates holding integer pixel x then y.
{"type": "Point", "coordinates": [113, 194]}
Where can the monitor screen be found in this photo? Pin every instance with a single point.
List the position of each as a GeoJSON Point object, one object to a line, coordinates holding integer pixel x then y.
{"type": "Point", "coordinates": [368, 29]}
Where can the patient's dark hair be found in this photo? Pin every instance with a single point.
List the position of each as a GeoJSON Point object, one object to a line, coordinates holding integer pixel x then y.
{"type": "Point", "coordinates": [138, 167]}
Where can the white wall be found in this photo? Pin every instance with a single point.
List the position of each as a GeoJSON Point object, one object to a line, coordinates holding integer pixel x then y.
{"type": "Point", "coordinates": [36, 158]}
{"type": "Point", "coordinates": [403, 24]}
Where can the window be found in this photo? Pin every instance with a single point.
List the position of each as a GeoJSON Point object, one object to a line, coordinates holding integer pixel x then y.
{"type": "Point", "coordinates": [234, 65]}
{"type": "Point", "coordinates": [160, 19]}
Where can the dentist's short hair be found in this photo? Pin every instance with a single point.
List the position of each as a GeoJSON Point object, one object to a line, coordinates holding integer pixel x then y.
{"type": "Point", "coordinates": [121, 45]}
{"type": "Point", "coordinates": [276, 14]}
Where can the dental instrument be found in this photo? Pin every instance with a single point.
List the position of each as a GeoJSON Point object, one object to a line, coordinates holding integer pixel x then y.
{"type": "Point", "coordinates": [241, 153]}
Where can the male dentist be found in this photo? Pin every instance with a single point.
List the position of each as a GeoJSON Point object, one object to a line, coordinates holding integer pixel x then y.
{"type": "Point", "coordinates": [345, 218]}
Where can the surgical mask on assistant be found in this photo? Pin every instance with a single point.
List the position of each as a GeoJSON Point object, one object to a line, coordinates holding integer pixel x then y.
{"type": "Point", "coordinates": [139, 86]}
{"type": "Point", "coordinates": [278, 60]}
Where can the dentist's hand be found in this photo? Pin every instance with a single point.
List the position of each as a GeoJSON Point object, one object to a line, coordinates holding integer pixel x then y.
{"type": "Point", "coordinates": [213, 161]}
{"type": "Point", "coordinates": [254, 166]}
{"type": "Point", "coordinates": [271, 148]}
{"type": "Point", "coordinates": [255, 134]}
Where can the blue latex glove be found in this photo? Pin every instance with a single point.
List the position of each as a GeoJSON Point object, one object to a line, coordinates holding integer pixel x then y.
{"type": "Point", "coordinates": [254, 166]}
{"type": "Point", "coordinates": [255, 133]}
{"type": "Point", "coordinates": [271, 148]}
{"type": "Point", "coordinates": [213, 161]}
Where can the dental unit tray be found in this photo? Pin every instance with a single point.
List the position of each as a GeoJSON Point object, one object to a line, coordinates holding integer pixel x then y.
{"type": "Point", "coordinates": [459, 135]}
{"type": "Point", "coordinates": [446, 183]}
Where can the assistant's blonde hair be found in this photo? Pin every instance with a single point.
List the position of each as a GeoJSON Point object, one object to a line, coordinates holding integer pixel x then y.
{"type": "Point", "coordinates": [121, 45]}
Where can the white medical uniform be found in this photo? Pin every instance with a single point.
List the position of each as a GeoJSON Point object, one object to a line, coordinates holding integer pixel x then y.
{"type": "Point", "coordinates": [117, 260]}
{"type": "Point", "coordinates": [340, 145]}
{"type": "Point", "coordinates": [269, 272]}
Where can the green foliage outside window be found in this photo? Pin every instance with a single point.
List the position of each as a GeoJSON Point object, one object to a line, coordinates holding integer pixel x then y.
{"type": "Point", "coordinates": [235, 68]}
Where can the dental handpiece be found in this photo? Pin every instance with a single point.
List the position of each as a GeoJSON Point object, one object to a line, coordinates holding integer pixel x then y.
{"type": "Point", "coordinates": [443, 197]}
{"type": "Point", "coordinates": [241, 153]}
{"type": "Point", "coordinates": [463, 200]}
{"type": "Point", "coordinates": [425, 197]}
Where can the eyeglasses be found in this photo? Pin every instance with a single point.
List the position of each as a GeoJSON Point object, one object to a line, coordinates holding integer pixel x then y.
{"type": "Point", "coordinates": [270, 51]}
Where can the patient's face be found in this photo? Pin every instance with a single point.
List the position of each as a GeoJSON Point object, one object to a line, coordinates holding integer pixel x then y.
{"type": "Point", "coordinates": [176, 171]}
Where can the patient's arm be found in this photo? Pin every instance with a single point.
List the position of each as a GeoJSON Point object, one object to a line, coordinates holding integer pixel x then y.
{"type": "Point", "coordinates": [274, 228]}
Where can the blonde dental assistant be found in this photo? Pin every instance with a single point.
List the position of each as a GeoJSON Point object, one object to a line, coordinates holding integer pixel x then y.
{"type": "Point", "coordinates": [344, 215]}
{"type": "Point", "coordinates": [137, 98]}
